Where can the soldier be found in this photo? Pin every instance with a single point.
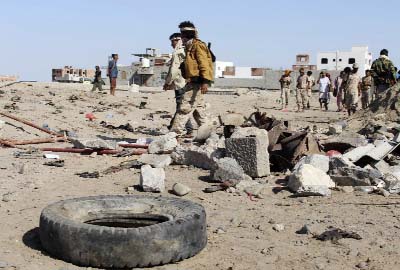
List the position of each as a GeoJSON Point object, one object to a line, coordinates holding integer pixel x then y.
{"type": "Point", "coordinates": [174, 79]}
{"type": "Point", "coordinates": [383, 72]}
{"type": "Point", "coordinates": [311, 81]}
{"type": "Point", "coordinates": [301, 90]}
{"type": "Point", "coordinates": [366, 86]}
{"type": "Point", "coordinates": [98, 81]}
{"type": "Point", "coordinates": [198, 71]}
{"type": "Point", "coordinates": [285, 82]}
{"type": "Point", "coordinates": [352, 90]}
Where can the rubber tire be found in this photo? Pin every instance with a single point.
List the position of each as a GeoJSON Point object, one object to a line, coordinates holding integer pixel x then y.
{"type": "Point", "coordinates": [64, 234]}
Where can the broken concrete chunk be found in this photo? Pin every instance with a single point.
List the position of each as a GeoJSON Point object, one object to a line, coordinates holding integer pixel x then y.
{"type": "Point", "coordinates": [339, 161]}
{"type": "Point", "coordinates": [382, 166]}
{"type": "Point", "coordinates": [156, 161]}
{"type": "Point", "coordinates": [392, 183]}
{"type": "Point", "coordinates": [232, 119]}
{"type": "Point", "coordinates": [335, 129]}
{"type": "Point", "coordinates": [318, 161]}
{"type": "Point", "coordinates": [310, 181]}
{"type": "Point", "coordinates": [93, 143]}
{"type": "Point", "coordinates": [152, 179]}
{"type": "Point", "coordinates": [163, 144]}
{"type": "Point", "coordinates": [355, 176]}
{"type": "Point", "coordinates": [227, 169]}
{"type": "Point", "coordinates": [249, 146]}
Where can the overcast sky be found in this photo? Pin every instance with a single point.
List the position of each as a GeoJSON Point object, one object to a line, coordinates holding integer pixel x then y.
{"type": "Point", "coordinates": [37, 36]}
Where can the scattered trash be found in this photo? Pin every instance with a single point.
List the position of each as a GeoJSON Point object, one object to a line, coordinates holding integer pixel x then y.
{"type": "Point", "coordinates": [335, 234]}
{"type": "Point", "coordinates": [94, 174]}
{"type": "Point", "coordinates": [90, 116]}
{"type": "Point", "coordinates": [51, 156]}
{"type": "Point", "coordinates": [56, 163]}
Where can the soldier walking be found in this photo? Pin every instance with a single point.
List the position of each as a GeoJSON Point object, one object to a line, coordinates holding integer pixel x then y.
{"type": "Point", "coordinates": [199, 74]}
{"type": "Point", "coordinates": [352, 90]}
{"type": "Point", "coordinates": [98, 81]}
{"type": "Point", "coordinates": [174, 79]}
{"type": "Point", "coordinates": [285, 82]}
{"type": "Point", "coordinates": [383, 72]}
{"type": "Point", "coordinates": [301, 91]}
{"type": "Point", "coordinates": [366, 85]}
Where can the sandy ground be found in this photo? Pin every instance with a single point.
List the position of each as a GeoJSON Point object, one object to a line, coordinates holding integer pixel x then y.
{"type": "Point", "coordinates": [239, 229]}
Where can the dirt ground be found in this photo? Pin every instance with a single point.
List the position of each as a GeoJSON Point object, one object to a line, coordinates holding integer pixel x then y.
{"type": "Point", "coordinates": [240, 233]}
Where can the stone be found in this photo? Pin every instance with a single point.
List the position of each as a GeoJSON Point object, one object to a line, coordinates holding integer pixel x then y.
{"type": "Point", "coordinates": [383, 192]}
{"type": "Point", "coordinates": [3, 264]}
{"type": "Point", "coordinates": [392, 183]}
{"type": "Point", "coordinates": [152, 179]}
{"type": "Point", "coordinates": [255, 190]}
{"type": "Point", "coordinates": [278, 227]}
{"type": "Point", "coordinates": [180, 189]}
{"type": "Point", "coordinates": [355, 176]}
{"type": "Point", "coordinates": [204, 157]}
{"type": "Point", "coordinates": [318, 161]}
{"type": "Point", "coordinates": [203, 133]}
{"type": "Point", "coordinates": [365, 189]}
{"type": "Point", "coordinates": [6, 197]}
{"type": "Point", "coordinates": [156, 161]}
{"type": "Point", "coordinates": [249, 146]}
{"type": "Point", "coordinates": [347, 189]}
{"type": "Point", "coordinates": [244, 184]}
{"type": "Point", "coordinates": [93, 143]}
{"type": "Point", "coordinates": [335, 129]}
{"type": "Point", "coordinates": [307, 180]}
{"type": "Point", "coordinates": [382, 166]}
{"type": "Point", "coordinates": [232, 119]}
{"type": "Point", "coordinates": [163, 144]}
{"type": "Point", "coordinates": [304, 230]}
{"type": "Point", "coordinates": [339, 161]}
{"type": "Point", "coordinates": [227, 169]}
{"type": "Point", "coordinates": [362, 265]}
{"type": "Point", "coordinates": [2, 124]}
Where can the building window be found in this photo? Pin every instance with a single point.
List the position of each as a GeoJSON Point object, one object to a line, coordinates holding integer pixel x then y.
{"type": "Point", "coordinates": [352, 61]}
{"type": "Point", "coordinates": [324, 60]}
{"type": "Point", "coordinates": [334, 60]}
{"type": "Point", "coordinates": [340, 59]}
{"type": "Point", "coordinates": [164, 75]}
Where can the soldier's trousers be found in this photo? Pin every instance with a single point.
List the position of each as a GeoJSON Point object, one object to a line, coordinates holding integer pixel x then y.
{"type": "Point", "coordinates": [285, 92]}
{"type": "Point", "coordinates": [98, 85]}
{"type": "Point", "coordinates": [365, 98]}
{"type": "Point", "coordinates": [302, 97]}
{"type": "Point", "coordinates": [192, 104]}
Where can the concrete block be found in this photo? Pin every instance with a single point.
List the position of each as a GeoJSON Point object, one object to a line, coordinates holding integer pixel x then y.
{"type": "Point", "coordinates": [152, 179]}
{"type": "Point", "coordinates": [249, 146]}
{"type": "Point", "coordinates": [227, 169]}
{"type": "Point", "coordinates": [318, 161]}
{"type": "Point", "coordinates": [156, 161]}
{"type": "Point", "coordinates": [203, 157]}
{"type": "Point", "coordinates": [93, 143]}
{"type": "Point", "coordinates": [307, 180]}
{"type": "Point", "coordinates": [355, 176]}
{"type": "Point", "coordinates": [163, 144]}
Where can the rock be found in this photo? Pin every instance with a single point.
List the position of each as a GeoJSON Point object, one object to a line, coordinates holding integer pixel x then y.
{"type": "Point", "coordinates": [227, 169]}
{"type": "Point", "coordinates": [180, 189]}
{"type": "Point", "coordinates": [307, 180]}
{"type": "Point", "coordinates": [2, 123]}
{"type": "Point", "coordinates": [362, 265]}
{"type": "Point", "coordinates": [383, 192]}
{"type": "Point", "coordinates": [203, 157]}
{"type": "Point", "coordinates": [347, 189]}
{"type": "Point", "coordinates": [163, 144]}
{"type": "Point", "coordinates": [304, 230]}
{"type": "Point", "coordinates": [318, 161]}
{"type": "Point", "coordinates": [152, 179]}
{"type": "Point", "coordinates": [278, 227]}
{"type": "Point", "coordinates": [335, 129]}
{"type": "Point", "coordinates": [245, 184]}
{"type": "Point", "coordinates": [232, 119]}
{"type": "Point", "coordinates": [382, 166]}
{"type": "Point", "coordinates": [134, 88]}
{"type": "Point", "coordinates": [93, 143]}
{"type": "Point", "coordinates": [249, 146]}
{"type": "Point", "coordinates": [365, 189]}
{"type": "Point", "coordinates": [339, 161]}
{"type": "Point", "coordinates": [392, 183]}
{"type": "Point", "coordinates": [3, 264]}
{"type": "Point", "coordinates": [255, 190]}
{"type": "Point", "coordinates": [355, 176]}
{"type": "Point", "coordinates": [156, 161]}
{"type": "Point", "coordinates": [6, 198]}
{"type": "Point", "coordinates": [203, 133]}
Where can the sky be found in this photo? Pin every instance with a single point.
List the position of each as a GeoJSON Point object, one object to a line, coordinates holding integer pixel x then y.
{"type": "Point", "coordinates": [37, 36]}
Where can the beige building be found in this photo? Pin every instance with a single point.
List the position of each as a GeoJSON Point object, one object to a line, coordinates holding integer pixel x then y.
{"type": "Point", "coordinates": [7, 78]}
{"type": "Point", "coordinates": [69, 72]}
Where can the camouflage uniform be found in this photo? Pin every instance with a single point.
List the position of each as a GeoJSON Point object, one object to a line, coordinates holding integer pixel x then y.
{"type": "Point", "coordinates": [366, 86]}
{"type": "Point", "coordinates": [351, 90]}
{"type": "Point", "coordinates": [384, 73]}
{"type": "Point", "coordinates": [198, 70]}
{"type": "Point", "coordinates": [285, 89]}
{"type": "Point", "coordinates": [301, 91]}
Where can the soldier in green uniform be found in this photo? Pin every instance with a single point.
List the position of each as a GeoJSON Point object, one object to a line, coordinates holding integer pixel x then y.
{"type": "Point", "coordinates": [384, 72]}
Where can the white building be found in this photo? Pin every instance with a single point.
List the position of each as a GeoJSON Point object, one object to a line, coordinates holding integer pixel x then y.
{"type": "Point", "coordinates": [220, 67]}
{"type": "Point", "coordinates": [340, 59]}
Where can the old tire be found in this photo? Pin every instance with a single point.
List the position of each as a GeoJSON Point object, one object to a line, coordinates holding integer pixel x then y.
{"type": "Point", "coordinates": [123, 231]}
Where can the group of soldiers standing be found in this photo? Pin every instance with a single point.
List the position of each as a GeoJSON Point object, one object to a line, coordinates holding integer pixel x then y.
{"type": "Point", "coordinates": [348, 87]}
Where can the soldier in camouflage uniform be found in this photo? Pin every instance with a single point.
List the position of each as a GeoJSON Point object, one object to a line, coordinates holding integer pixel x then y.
{"type": "Point", "coordinates": [301, 91]}
{"type": "Point", "coordinates": [285, 82]}
{"type": "Point", "coordinates": [384, 72]}
{"type": "Point", "coordinates": [366, 86]}
{"type": "Point", "coordinates": [352, 90]}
